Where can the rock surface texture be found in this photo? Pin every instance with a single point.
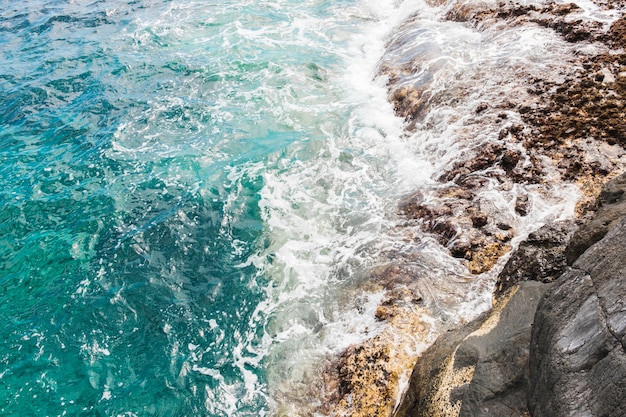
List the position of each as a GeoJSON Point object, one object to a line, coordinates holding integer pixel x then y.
{"type": "Point", "coordinates": [480, 369]}
{"type": "Point", "coordinates": [571, 126]}
{"type": "Point", "coordinates": [546, 349]}
{"type": "Point", "coordinates": [541, 257]}
{"type": "Point", "coordinates": [578, 349]}
{"type": "Point", "coordinates": [545, 254]}
{"type": "Point", "coordinates": [560, 121]}
{"type": "Point", "coordinates": [609, 209]}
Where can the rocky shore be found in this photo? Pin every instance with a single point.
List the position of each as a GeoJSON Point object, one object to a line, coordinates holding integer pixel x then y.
{"type": "Point", "coordinates": [553, 344]}
{"type": "Point", "coordinates": [564, 125]}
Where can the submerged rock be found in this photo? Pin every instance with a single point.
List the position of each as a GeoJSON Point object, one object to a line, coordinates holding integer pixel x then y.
{"type": "Point", "coordinates": [470, 227]}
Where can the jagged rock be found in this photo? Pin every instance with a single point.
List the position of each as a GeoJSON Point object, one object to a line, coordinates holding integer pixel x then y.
{"type": "Point", "coordinates": [611, 207]}
{"type": "Point", "coordinates": [541, 257]}
{"type": "Point", "coordinates": [578, 350]}
{"type": "Point", "coordinates": [617, 33]}
{"type": "Point", "coordinates": [469, 227]}
{"type": "Point", "coordinates": [479, 369]}
{"type": "Point", "coordinates": [577, 347]}
{"type": "Point", "coordinates": [544, 255]}
{"type": "Point", "coordinates": [571, 125]}
{"type": "Point", "coordinates": [364, 381]}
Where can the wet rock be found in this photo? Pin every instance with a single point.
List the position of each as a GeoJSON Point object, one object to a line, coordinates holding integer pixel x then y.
{"type": "Point", "coordinates": [410, 103]}
{"type": "Point", "coordinates": [545, 254]}
{"type": "Point", "coordinates": [510, 159]}
{"type": "Point", "coordinates": [567, 125]}
{"type": "Point", "coordinates": [362, 370]}
{"type": "Point", "coordinates": [578, 349]}
{"type": "Point", "coordinates": [541, 257]}
{"type": "Point", "coordinates": [557, 127]}
{"type": "Point", "coordinates": [480, 159]}
{"type": "Point", "coordinates": [552, 15]}
{"type": "Point", "coordinates": [522, 204]}
{"type": "Point", "coordinates": [481, 108]}
{"type": "Point", "coordinates": [416, 207]}
{"type": "Point", "coordinates": [481, 235]}
{"type": "Point", "coordinates": [364, 380]}
{"type": "Point", "coordinates": [479, 369]}
{"type": "Point", "coordinates": [574, 117]}
{"type": "Point", "coordinates": [482, 259]}
{"type": "Point", "coordinates": [617, 33]}
{"type": "Point", "coordinates": [556, 349]}
{"type": "Point", "coordinates": [479, 220]}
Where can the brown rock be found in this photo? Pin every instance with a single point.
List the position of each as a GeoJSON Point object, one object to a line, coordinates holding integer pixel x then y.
{"type": "Point", "coordinates": [483, 259]}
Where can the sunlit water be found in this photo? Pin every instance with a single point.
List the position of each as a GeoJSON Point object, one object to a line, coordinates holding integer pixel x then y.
{"type": "Point", "coordinates": [190, 190]}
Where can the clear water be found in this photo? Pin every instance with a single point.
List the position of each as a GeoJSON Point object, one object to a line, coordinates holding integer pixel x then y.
{"type": "Point", "coordinates": [192, 191]}
{"type": "Point", "coordinates": [143, 149]}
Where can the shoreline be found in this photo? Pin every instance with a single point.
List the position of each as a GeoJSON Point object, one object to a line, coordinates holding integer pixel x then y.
{"type": "Point", "coordinates": [570, 130]}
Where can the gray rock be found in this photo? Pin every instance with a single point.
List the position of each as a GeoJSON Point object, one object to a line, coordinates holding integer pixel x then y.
{"type": "Point", "coordinates": [578, 349]}
{"type": "Point", "coordinates": [573, 363]}
{"type": "Point", "coordinates": [479, 369]}
{"type": "Point", "coordinates": [611, 208]}
{"type": "Point", "coordinates": [541, 257]}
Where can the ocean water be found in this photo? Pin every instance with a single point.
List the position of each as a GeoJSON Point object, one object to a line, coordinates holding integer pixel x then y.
{"type": "Point", "coordinates": [190, 191]}
{"type": "Point", "coordinates": [155, 157]}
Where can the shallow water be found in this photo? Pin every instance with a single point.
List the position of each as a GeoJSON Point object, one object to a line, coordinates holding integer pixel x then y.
{"type": "Point", "coordinates": [193, 194]}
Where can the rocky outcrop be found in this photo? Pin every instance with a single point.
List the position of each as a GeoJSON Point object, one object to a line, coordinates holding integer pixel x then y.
{"type": "Point", "coordinates": [545, 254]}
{"type": "Point", "coordinates": [571, 125]}
{"type": "Point", "coordinates": [610, 208]}
{"type": "Point", "coordinates": [578, 350]}
{"type": "Point", "coordinates": [562, 356]}
{"type": "Point", "coordinates": [469, 226]}
{"type": "Point", "coordinates": [541, 257]}
{"type": "Point", "coordinates": [561, 124]}
{"type": "Point", "coordinates": [478, 370]}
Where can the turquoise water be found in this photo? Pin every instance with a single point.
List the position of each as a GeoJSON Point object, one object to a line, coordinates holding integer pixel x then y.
{"type": "Point", "coordinates": [143, 146]}
{"type": "Point", "coordinates": [193, 194]}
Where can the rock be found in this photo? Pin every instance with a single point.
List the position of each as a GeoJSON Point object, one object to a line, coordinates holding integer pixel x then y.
{"type": "Point", "coordinates": [617, 33]}
{"type": "Point", "coordinates": [469, 226]}
{"type": "Point", "coordinates": [479, 369]}
{"type": "Point", "coordinates": [578, 349]}
{"type": "Point", "coordinates": [546, 253]}
{"type": "Point", "coordinates": [364, 381]}
{"type": "Point", "coordinates": [611, 207]}
{"type": "Point", "coordinates": [522, 204]}
{"type": "Point", "coordinates": [484, 258]}
{"type": "Point", "coordinates": [541, 257]}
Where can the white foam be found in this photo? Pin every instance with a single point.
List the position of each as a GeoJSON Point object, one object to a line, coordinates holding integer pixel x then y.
{"type": "Point", "coordinates": [329, 217]}
{"type": "Point", "coordinates": [329, 198]}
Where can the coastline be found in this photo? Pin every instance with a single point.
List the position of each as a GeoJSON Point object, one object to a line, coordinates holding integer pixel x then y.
{"type": "Point", "coordinates": [565, 127]}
